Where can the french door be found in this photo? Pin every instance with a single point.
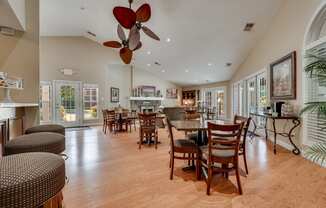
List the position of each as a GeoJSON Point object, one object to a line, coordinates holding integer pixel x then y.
{"type": "Point", "coordinates": [67, 99]}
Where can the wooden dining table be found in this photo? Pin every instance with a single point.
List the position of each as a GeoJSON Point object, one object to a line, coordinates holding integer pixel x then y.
{"type": "Point", "coordinates": [199, 126]}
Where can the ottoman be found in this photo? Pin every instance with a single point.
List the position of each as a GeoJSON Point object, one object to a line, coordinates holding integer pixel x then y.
{"type": "Point", "coordinates": [37, 142]}
{"type": "Point", "coordinates": [46, 128]}
{"type": "Point", "coordinates": [31, 180]}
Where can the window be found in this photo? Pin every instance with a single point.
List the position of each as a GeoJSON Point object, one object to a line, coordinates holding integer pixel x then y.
{"type": "Point", "coordinates": [90, 99]}
{"type": "Point", "coordinates": [250, 95]}
{"type": "Point", "coordinates": [215, 100]}
{"type": "Point", "coordinates": [315, 91]}
{"type": "Point", "coordinates": [221, 103]}
{"type": "Point", "coordinates": [45, 102]}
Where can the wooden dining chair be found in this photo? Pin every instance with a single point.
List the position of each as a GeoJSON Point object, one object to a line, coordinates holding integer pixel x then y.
{"type": "Point", "coordinates": [126, 119]}
{"type": "Point", "coordinates": [111, 121]}
{"type": "Point", "coordinates": [222, 150]}
{"type": "Point", "coordinates": [133, 118]}
{"type": "Point", "coordinates": [104, 114]}
{"type": "Point", "coordinates": [187, 149]}
{"type": "Point", "coordinates": [242, 149]}
{"type": "Point", "coordinates": [148, 129]}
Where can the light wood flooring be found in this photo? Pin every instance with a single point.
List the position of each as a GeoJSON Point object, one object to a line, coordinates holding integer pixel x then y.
{"type": "Point", "coordinates": [109, 171]}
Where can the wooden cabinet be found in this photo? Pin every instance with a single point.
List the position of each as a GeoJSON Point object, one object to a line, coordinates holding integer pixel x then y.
{"type": "Point", "coordinates": [190, 97]}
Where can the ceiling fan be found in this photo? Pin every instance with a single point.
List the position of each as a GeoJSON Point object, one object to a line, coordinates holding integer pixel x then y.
{"type": "Point", "coordinates": [132, 21]}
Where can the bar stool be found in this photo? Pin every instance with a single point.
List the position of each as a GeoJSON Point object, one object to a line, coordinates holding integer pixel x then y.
{"type": "Point", "coordinates": [46, 128]}
{"type": "Point", "coordinates": [32, 180]}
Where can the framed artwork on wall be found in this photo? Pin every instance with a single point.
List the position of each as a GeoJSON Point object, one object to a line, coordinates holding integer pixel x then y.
{"type": "Point", "coordinates": [115, 95]}
{"type": "Point", "coordinates": [283, 81]}
{"type": "Point", "coordinates": [172, 93]}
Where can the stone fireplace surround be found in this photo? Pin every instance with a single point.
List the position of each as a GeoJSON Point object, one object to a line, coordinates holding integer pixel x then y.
{"type": "Point", "coordinates": [145, 106]}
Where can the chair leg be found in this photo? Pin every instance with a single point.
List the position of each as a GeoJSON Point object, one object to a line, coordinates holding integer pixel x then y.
{"type": "Point", "coordinates": [156, 140]}
{"type": "Point", "coordinates": [140, 139]}
{"type": "Point", "coordinates": [209, 179]}
{"type": "Point", "coordinates": [193, 159]}
{"type": "Point", "coordinates": [245, 161]}
{"type": "Point", "coordinates": [172, 164]}
{"type": "Point", "coordinates": [238, 179]}
{"type": "Point", "coordinates": [198, 167]}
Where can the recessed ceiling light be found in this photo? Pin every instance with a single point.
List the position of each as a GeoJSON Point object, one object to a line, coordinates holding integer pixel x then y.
{"type": "Point", "coordinates": [149, 65]}
{"type": "Point", "coordinates": [210, 64]}
{"type": "Point", "coordinates": [163, 71]}
{"type": "Point", "coordinates": [149, 52]}
{"type": "Point", "coordinates": [186, 70]}
{"type": "Point", "coordinates": [168, 40]}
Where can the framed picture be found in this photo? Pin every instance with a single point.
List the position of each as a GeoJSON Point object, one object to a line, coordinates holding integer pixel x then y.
{"type": "Point", "coordinates": [114, 95]}
{"type": "Point", "coordinates": [283, 78]}
{"type": "Point", "coordinates": [172, 93]}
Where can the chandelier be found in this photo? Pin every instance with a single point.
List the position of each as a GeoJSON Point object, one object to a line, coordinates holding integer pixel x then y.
{"type": "Point", "coordinates": [133, 22]}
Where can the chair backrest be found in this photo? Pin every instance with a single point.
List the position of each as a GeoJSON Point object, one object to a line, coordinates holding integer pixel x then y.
{"type": "Point", "coordinates": [147, 120]}
{"type": "Point", "coordinates": [110, 115]}
{"type": "Point", "coordinates": [125, 112]}
{"type": "Point", "coordinates": [170, 131]}
{"type": "Point", "coordinates": [224, 137]}
{"type": "Point", "coordinates": [246, 123]}
{"type": "Point", "coordinates": [104, 113]}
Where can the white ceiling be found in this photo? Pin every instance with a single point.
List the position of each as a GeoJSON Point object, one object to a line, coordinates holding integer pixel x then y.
{"type": "Point", "coordinates": [201, 32]}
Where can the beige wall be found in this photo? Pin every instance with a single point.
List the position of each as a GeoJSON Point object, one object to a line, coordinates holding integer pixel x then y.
{"type": "Point", "coordinates": [19, 56]}
{"type": "Point", "coordinates": [285, 35]}
{"type": "Point", "coordinates": [94, 64]}
{"type": "Point", "coordinates": [212, 85]}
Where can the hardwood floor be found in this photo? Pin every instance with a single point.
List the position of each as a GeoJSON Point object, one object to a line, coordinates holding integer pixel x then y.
{"type": "Point", "coordinates": [110, 171]}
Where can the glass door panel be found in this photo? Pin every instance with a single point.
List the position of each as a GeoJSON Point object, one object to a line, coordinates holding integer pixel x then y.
{"type": "Point", "coordinates": [67, 103]}
{"type": "Point", "coordinates": [45, 103]}
{"type": "Point", "coordinates": [251, 95]}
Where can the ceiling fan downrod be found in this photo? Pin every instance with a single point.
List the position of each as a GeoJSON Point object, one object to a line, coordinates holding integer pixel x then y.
{"type": "Point", "coordinates": [130, 2]}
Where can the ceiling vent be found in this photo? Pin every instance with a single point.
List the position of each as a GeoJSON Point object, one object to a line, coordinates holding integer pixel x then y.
{"type": "Point", "coordinates": [249, 27]}
{"type": "Point", "coordinates": [91, 34]}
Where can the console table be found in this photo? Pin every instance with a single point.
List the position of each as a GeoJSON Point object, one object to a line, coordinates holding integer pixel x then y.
{"type": "Point", "coordinates": [295, 121]}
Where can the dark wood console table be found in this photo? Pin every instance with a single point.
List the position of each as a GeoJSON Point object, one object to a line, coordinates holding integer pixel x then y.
{"type": "Point", "coordinates": [295, 121]}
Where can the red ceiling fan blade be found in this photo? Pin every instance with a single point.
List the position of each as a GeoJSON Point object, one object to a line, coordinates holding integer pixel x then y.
{"type": "Point", "coordinates": [112, 44]}
{"type": "Point", "coordinates": [126, 55]}
{"type": "Point", "coordinates": [150, 33]}
{"type": "Point", "coordinates": [125, 16]}
{"type": "Point", "coordinates": [143, 13]}
{"type": "Point", "coordinates": [121, 33]}
{"type": "Point", "coordinates": [138, 46]}
{"type": "Point", "coordinates": [134, 38]}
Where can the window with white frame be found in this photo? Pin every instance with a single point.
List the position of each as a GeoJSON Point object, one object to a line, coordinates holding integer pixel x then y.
{"type": "Point", "coordinates": [90, 101]}
{"type": "Point", "coordinates": [315, 91]}
{"type": "Point", "coordinates": [215, 100]}
{"type": "Point", "coordinates": [45, 102]}
{"type": "Point", "coordinates": [250, 94]}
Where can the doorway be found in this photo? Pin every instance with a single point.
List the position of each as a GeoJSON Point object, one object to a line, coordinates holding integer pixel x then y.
{"type": "Point", "coordinates": [67, 103]}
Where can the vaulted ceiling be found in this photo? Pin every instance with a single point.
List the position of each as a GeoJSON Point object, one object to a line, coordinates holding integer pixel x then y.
{"type": "Point", "coordinates": [204, 35]}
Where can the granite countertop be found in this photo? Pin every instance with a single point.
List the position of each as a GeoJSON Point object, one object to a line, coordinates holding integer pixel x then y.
{"type": "Point", "coordinates": [18, 105]}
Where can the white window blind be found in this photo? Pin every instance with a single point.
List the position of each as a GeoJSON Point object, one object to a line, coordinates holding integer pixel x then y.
{"type": "Point", "coordinates": [315, 125]}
